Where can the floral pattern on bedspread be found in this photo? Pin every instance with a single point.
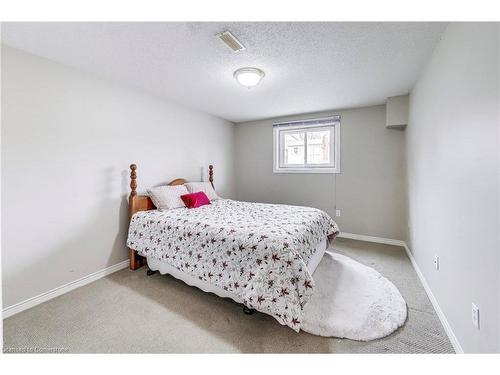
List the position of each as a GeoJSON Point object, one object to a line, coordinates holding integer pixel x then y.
{"type": "Point", "coordinates": [257, 251]}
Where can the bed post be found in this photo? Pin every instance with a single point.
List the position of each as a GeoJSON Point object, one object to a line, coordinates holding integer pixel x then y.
{"type": "Point", "coordinates": [211, 175]}
{"type": "Point", "coordinates": [133, 185]}
{"type": "Point", "coordinates": [136, 261]}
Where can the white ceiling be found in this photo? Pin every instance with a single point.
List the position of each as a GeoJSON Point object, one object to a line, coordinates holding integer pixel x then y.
{"type": "Point", "coordinates": [309, 66]}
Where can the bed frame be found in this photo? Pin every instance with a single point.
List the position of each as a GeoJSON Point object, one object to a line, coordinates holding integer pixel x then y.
{"type": "Point", "coordinates": [138, 203]}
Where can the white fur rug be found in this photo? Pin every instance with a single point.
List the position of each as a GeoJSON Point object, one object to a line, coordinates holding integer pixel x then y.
{"type": "Point", "coordinates": [352, 301]}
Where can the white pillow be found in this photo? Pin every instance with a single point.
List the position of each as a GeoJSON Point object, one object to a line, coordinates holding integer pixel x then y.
{"type": "Point", "coordinates": [168, 197]}
{"type": "Point", "coordinates": [205, 187]}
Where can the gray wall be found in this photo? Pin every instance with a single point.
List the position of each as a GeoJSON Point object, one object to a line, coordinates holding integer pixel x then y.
{"type": "Point", "coordinates": [371, 185]}
{"type": "Point", "coordinates": [67, 140]}
{"type": "Point", "coordinates": [453, 179]}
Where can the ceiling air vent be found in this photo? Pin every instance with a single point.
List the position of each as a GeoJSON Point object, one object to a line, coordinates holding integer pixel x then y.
{"type": "Point", "coordinates": [231, 41]}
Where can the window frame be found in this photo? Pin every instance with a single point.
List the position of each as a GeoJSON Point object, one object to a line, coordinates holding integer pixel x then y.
{"type": "Point", "coordinates": [280, 129]}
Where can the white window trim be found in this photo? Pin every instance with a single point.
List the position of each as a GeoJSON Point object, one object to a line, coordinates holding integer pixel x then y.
{"type": "Point", "coordinates": [311, 169]}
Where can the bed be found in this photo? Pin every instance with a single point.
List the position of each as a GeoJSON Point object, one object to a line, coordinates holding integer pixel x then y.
{"type": "Point", "coordinates": [260, 255]}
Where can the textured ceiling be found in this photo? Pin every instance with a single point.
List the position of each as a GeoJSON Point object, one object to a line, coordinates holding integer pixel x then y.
{"type": "Point", "coordinates": [309, 66]}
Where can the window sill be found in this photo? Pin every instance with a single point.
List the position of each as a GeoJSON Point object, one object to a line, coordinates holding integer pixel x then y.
{"type": "Point", "coordinates": [318, 170]}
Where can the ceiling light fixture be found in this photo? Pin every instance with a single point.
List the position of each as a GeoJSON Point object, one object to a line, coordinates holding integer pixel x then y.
{"type": "Point", "coordinates": [249, 77]}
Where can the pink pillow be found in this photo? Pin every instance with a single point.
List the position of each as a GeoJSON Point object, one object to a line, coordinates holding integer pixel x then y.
{"type": "Point", "coordinates": [194, 200]}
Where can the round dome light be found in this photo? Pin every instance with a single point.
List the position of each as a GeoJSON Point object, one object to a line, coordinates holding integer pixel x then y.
{"type": "Point", "coordinates": [248, 77]}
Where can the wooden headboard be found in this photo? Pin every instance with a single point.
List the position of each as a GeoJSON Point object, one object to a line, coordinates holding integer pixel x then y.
{"type": "Point", "coordinates": [138, 203]}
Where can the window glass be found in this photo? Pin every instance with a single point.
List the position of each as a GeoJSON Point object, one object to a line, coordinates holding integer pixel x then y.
{"type": "Point", "coordinates": [294, 148]}
{"type": "Point", "coordinates": [318, 147]}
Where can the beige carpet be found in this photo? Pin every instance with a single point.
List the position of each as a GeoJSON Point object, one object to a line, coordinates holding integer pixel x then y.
{"type": "Point", "coordinates": [131, 312]}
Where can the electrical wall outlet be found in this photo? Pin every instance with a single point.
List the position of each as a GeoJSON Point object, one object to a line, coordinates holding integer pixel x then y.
{"type": "Point", "coordinates": [436, 262]}
{"type": "Point", "coordinates": [337, 213]}
{"type": "Point", "coordinates": [475, 316]}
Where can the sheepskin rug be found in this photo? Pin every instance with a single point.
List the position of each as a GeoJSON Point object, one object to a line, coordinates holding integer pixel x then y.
{"type": "Point", "coordinates": [352, 301]}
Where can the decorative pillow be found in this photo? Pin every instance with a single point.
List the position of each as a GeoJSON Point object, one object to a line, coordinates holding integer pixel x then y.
{"type": "Point", "coordinates": [167, 197]}
{"type": "Point", "coordinates": [205, 187]}
{"type": "Point", "coordinates": [194, 200]}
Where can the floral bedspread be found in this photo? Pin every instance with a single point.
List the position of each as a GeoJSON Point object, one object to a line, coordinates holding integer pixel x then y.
{"type": "Point", "coordinates": [257, 251]}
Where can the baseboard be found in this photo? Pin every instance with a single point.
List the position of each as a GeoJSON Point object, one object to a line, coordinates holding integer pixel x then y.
{"type": "Point", "coordinates": [361, 237]}
{"type": "Point", "coordinates": [33, 301]}
{"type": "Point", "coordinates": [449, 331]}
{"type": "Point", "coordinates": [389, 241]}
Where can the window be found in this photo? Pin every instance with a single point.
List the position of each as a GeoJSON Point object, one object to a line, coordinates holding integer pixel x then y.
{"type": "Point", "coordinates": [308, 146]}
